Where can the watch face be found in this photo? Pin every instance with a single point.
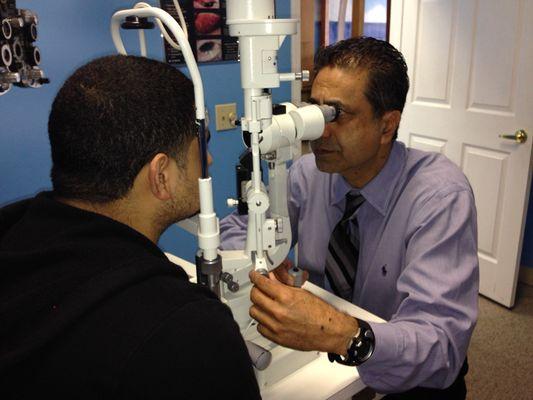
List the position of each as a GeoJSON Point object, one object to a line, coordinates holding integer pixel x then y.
{"type": "Point", "coordinates": [363, 345]}
{"type": "Point", "coordinates": [361, 348]}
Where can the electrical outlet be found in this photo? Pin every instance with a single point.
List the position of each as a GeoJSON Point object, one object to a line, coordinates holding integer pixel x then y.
{"type": "Point", "coordinates": [226, 114]}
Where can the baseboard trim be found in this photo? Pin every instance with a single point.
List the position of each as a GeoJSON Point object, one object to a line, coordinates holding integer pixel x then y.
{"type": "Point", "coordinates": [526, 275]}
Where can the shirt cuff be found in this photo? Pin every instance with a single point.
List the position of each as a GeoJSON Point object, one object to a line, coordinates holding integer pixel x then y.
{"type": "Point", "coordinates": [387, 347]}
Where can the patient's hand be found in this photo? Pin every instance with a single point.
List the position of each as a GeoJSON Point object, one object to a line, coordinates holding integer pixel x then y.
{"type": "Point", "coordinates": [281, 273]}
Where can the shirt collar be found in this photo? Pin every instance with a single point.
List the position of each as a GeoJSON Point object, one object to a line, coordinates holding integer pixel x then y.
{"type": "Point", "coordinates": [379, 190]}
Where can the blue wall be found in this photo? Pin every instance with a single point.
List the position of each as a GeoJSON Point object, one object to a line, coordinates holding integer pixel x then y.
{"type": "Point", "coordinates": [71, 33]}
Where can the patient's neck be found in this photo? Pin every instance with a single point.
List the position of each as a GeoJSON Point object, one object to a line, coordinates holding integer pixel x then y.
{"type": "Point", "coordinates": [122, 210]}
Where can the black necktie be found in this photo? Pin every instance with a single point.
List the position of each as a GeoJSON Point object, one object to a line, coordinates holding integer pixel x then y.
{"type": "Point", "coordinates": [343, 251]}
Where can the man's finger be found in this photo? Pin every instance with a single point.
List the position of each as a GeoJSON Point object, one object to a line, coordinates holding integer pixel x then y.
{"type": "Point", "coordinates": [268, 286]}
{"type": "Point", "coordinates": [282, 274]}
{"type": "Point", "coordinates": [268, 333]}
{"type": "Point", "coordinates": [262, 317]}
{"type": "Point", "coordinates": [263, 301]}
{"type": "Point", "coordinates": [305, 276]}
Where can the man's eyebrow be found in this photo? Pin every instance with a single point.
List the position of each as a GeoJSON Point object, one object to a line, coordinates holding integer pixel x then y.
{"type": "Point", "coordinates": [335, 103]}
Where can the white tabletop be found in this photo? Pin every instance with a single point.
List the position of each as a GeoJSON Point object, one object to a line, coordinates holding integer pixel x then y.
{"type": "Point", "coordinates": [320, 379]}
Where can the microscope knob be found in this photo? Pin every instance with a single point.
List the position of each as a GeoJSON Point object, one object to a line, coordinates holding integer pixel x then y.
{"type": "Point", "coordinates": [260, 356]}
{"type": "Point", "coordinates": [227, 278]}
{"type": "Point", "coordinates": [232, 202]}
{"type": "Point", "coordinates": [297, 274]}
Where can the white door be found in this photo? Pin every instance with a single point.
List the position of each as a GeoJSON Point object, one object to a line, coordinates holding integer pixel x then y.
{"type": "Point", "coordinates": [471, 69]}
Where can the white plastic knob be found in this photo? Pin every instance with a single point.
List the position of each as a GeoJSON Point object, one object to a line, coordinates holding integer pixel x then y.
{"type": "Point", "coordinates": [232, 202]}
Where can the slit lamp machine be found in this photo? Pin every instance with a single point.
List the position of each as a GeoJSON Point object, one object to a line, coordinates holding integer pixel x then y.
{"type": "Point", "coordinates": [271, 136]}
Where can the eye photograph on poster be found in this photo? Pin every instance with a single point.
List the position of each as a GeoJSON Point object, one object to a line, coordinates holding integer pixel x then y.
{"type": "Point", "coordinates": [207, 31]}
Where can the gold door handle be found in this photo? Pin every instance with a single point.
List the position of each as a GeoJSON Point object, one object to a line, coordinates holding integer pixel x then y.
{"type": "Point", "coordinates": [520, 136]}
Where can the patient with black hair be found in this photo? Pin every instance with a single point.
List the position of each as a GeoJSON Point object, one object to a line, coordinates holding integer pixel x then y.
{"type": "Point", "coordinates": [90, 307]}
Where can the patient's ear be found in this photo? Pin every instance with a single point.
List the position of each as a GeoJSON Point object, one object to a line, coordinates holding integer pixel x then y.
{"type": "Point", "coordinates": [390, 122]}
{"type": "Point", "coordinates": [159, 176]}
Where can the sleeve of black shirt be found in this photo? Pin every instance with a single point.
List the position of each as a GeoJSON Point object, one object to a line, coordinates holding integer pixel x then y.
{"type": "Point", "coordinates": [195, 353]}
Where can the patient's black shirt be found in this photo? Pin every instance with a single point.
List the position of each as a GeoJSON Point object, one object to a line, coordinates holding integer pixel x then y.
{"type": "Point", "coordinates": [90, 308]}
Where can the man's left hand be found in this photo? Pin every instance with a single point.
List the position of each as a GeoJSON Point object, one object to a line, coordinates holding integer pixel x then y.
{"type": "Point", "coordinates": [295, 318]}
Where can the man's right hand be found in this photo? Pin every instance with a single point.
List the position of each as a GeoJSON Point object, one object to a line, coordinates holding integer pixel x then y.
{"type": "Point", "coordinates": [281, 273]}
{"type": "Point", "coordinates": [296, 318]}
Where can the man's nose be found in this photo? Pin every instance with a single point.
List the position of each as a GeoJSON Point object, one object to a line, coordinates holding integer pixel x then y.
{"type": "Point", "coordinates": [328, 130]}
{"type": "Point", "coordinates": [209, 158]}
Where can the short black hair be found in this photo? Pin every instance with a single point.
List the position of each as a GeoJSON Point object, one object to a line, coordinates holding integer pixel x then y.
{"type": "Point", "coordinates": [110, 118]}
{"type": "Point", "coordinates": [388, 82]}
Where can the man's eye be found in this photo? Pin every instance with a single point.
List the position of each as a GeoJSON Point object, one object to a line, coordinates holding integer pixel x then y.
{"type": "Point", "coordinates": [342, 114]}
{"type": "Point", "coordinates": [345, 114]}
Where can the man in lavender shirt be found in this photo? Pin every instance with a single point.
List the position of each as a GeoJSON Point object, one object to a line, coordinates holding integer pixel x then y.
{"type": "Point", "coordinates": [417, 263]}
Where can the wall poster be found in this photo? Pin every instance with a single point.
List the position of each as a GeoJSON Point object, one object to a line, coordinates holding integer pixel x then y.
{"type": "Point", "coordinates": [207, 30]}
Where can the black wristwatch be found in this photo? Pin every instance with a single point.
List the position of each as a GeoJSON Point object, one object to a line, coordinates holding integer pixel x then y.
{"type": "Point", "coordinates": [360, 349]}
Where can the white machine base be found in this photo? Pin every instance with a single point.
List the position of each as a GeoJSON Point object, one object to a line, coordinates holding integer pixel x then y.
{"type": "Point", "coordinates": [284, 361]}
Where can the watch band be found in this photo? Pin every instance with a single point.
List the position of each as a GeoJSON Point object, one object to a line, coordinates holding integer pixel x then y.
{"type": "Point", "coordinates": [361, 348]}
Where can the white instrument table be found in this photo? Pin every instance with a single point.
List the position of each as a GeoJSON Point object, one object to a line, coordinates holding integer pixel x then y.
{"type": "Point", "coordinates": [320, 379]}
